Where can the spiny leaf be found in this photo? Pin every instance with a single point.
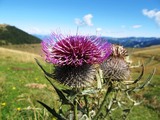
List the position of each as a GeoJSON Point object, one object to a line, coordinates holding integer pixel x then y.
{"type": "Point", "coordinates": [60, 94]}
{"type": "Point", "coordinates": [69, 92]}
{"type": "Point", "coordinates": [50, 75]}
{"type": "Point", "coordinates": [146, 82]}
{"type": "Point", "coordinates": [140, 76]}
{"type": "Point", "coordinates": [52, 111]}
{"type": "Point", "coordinates": [46, 73]}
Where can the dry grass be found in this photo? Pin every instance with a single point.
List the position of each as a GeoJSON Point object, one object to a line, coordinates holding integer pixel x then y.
{"type": "Point", "coordinates": [36, 85]}
{"type": "Point", "coordinates": [17, 55]}
{"type": "Point", "coordinates": [150, 51]}
{"type": "Point", "coordinates": [144, 55]}
{"type": "Point", "coordinates": [31, 48]}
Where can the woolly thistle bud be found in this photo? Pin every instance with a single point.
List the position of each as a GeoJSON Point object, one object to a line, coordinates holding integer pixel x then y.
{"type": "Point", "coordinates": [115, 67]}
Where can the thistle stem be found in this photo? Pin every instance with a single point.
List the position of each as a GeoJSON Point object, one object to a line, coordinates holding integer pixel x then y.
{"type": "Point", "coordinates": [103, 103]}
{"type": "Point", "coordinates": [86, 104]}
{"type": "Point", "coordinates": [75, 109]}
{"type": "Point", "coordinates": [111, 103]}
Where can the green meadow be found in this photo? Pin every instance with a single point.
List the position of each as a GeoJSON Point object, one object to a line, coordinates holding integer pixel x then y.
{"type": "Point", "coordinates": [22, 83]}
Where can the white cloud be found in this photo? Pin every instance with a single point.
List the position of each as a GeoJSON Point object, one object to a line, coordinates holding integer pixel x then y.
{"type": "Point", "coordinates": [157, 18]}
{"type": "Point", "coordinates": [78, 21]}
{"type": "Point", "coordinates": [98, 29]}
{"type": "Point", "coordinates": [87, 20]}
{"type": "Point", "coordinates": [136, 26]}
{"type": "Point", "coordinates": [149, 13]}
{"type": "Point", "coordinates": [154, 14]}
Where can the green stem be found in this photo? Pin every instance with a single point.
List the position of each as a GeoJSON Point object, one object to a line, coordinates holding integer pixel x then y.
{"type": "Point", "coordinates": [103, 103]}
{"type": "Point", "coordinates": [86, 104]}
{"type": "Point", "coordinates": [75, 109]}
{"type": "Point", "coordinates": [109, 107]}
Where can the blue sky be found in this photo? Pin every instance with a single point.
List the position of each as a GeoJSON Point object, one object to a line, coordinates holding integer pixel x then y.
{"type": "Point", "coordinates": [114, 18]}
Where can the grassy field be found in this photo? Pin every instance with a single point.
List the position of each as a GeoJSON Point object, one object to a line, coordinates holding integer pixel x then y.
{"type": "Point", "coordinates": [22, 83]}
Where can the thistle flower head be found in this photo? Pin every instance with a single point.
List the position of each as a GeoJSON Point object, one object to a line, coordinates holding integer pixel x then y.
{"type": "Point", "coordinates": [116, 67]}
{"type": "Point", "coordinates": [75, 50]}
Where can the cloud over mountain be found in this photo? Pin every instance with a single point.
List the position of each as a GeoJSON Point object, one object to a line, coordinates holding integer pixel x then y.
{"type": "Point", "coordinates": [153, 14]}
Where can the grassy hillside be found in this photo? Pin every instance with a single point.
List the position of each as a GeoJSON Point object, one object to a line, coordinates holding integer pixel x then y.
{"type": "Point", "coordinates": [31, 48]}
{"type": "Point", "coordinates": [16, 55]}
{"type": "Point", "coordinates": [22, 83]}
{"type": "Point", "coordinates": [12, 35]}
{"type": "Point", "coordinates": [147, 54]}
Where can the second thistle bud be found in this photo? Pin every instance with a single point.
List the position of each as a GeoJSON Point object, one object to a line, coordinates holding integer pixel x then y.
{"type": "Point", "coordinates": [116, 68]}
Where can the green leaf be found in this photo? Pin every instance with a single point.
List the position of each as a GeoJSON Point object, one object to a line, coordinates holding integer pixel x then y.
{"type": "Point", "coordinates": [52, 111]}
{"type": "Point", "coordinates": [146, 82]}
{"type": "Point", "coordinates": [140, 76]}
{"type": "Point", "coordinates": [61, 95]}
{"type": "Point", "coordinates": [51, 76]}
{"type": "Point", "coordinates": [46, 73]}
{"type": "Point", "coordinates": [70, 92]}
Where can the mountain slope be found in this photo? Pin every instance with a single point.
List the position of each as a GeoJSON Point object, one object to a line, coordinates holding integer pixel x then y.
{"type": "Point", "coordinates": [12, 35]}
{"type": "Point", "coordinates": [137, 42]}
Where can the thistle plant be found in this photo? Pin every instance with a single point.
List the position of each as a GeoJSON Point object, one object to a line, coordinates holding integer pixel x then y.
{"type": "Point", "coordinates": [94, 77]}
{"type": "Point", "coordinates": [75, 58]}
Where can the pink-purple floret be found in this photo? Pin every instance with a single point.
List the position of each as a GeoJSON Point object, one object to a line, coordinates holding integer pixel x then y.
{"type": "Point", "coordinates": [75, 50]}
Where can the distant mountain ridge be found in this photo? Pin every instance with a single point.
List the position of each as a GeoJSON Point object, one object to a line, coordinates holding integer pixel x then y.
{"type": "Point", "coordinates": [13, 35]}
{"type": "Point", "coordinates": [137, 42]}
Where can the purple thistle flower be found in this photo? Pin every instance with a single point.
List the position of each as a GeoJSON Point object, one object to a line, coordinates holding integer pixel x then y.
{"type": "Point", "coordinates": [75, 58]}
{"type": "Point", "coordinates": [75, 50]}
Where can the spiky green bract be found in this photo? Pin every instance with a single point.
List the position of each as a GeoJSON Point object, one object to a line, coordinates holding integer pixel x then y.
{"type": "Point", "coordinates": [115, 67]}
{"type": "Point", "coordinates": [79, 76]}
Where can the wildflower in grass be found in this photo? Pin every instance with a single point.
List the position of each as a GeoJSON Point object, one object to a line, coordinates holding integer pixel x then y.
{"type": "Point", "coordinates": [13, 88]}
{"type": "Point", "coordinates": [18, 109]}
{"type": "Point", "coordinates": [116, 67]}
{"type": "Point", "coordinates": [3, 104]}
{"type": "Point", "coordinates": [75, 58]}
